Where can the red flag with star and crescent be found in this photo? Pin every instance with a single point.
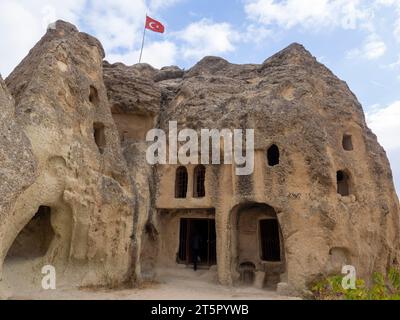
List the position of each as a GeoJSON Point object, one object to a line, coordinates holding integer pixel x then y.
{"type": "Point", "coordinates": [154, 25]}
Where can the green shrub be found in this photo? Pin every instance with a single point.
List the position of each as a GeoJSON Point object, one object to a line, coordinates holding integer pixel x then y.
{"type": "Point", "coordinates": [381, 288]}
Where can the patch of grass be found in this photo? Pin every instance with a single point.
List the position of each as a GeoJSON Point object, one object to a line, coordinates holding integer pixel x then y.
{"type": "Point", "coordinates": [381, 288]}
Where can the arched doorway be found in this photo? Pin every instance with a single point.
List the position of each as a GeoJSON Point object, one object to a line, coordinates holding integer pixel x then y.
{"type": "Point", "coordinates": [257, 242]}
{"type": "Point", "coordinates": [35, 240]}
{"type": "Point", "coordinates": [343, 183]}
{"type": "Point", "coordinates": [178, 228]}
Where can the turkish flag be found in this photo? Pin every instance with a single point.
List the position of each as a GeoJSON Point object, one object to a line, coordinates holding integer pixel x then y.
{"type": "Point", "coordinates": [154, 25]}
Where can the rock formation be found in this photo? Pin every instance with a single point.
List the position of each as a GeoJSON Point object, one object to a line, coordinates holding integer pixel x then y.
{"type": "Point", "coordinates": [18, 165]}
{"type": "Point", "coordinates": [72, 205]}
{"type": "Point", "coordinates": [321, 194]}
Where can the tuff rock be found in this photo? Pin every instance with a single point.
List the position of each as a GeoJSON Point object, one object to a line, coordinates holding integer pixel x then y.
{"type": "Point", "coordinates": [76, 145]}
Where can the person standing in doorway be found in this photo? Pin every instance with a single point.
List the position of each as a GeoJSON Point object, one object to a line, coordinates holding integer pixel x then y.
{"type": "Point", "coordinates": [195, 246]}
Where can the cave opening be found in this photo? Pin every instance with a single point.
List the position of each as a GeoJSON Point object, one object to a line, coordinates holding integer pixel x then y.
{"type": "Point", "coordinates": [99, 136]}
{"type": "Point", "coordinates": [347, 142]}
{"type": "Point", "coordinates": [343, 184]}
{"type": "Point", "coordinates": [35, 238]}
{"type": "Point", "coordinates": [94, 96]}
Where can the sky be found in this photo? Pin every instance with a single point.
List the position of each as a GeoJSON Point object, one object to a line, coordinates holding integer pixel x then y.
{"type": "Point", "coordinates": [359, 40]}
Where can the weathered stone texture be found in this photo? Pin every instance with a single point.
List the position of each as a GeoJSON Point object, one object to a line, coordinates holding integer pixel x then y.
{"type": "Point", "coordinates": [18, 165]}
{"type": "Point", "coordinates": [62, 106]}
{"type": "Point", "coordinates": [295, 102]}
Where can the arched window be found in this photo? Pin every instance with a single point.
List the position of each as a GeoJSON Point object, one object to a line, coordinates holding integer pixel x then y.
{"type": "Point", "coordinates": [199, 189]}
{"type": "Point", "coordinates": [273, 155]}
{"type": "Point", "coordinates": [347, 142]}
{"type": "Point", "coordinates": [343, 183]}
{"type": "Point", "coordinates": [181, 183]}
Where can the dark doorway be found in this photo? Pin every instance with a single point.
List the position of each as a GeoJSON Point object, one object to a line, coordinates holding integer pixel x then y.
{"type": "Point", "coordinates": [247, 272]}
{"type": "Point", "coordinates": [35, 239]}
{"type": "Point", "coordinates": [204, 229]}
{"type": "Point", "coordinates": [270, 240]}
{"type": "Point", "coordinates": [343, 187]}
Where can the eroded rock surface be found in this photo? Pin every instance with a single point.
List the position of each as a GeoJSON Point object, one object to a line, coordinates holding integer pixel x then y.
{"type": "Point", "coordinates": [297, 104]}
{"type": "Point", "coordinates": [82, 194]}
{"type": "Point", "coordinates": [18, 164]}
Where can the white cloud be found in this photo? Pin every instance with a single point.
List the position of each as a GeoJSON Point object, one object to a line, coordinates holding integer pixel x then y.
{"type": "Point", "coordinates": [23, 22]}
{"type": "Point", "coordinates": [373, 48]}
{"type": "Point", "coordinates": [385, 2]}
{"type": "Point", "coordinates": [320, 15]}
{"type": "Point", "coordinates": [256, 34]}
{"type": "Point", "coordinates": [395, 64]}
{"type": "Point", "coordinates": [157, 4]}
{"type": "Point", "coordinates": [157, 54]}
{"type": "Point", "coordinates": [397, 29]}
{"type": "Point", "coordinates": [396, 4]}
{"type": "Point", "coordinates": [348, 14]}
{"type": "Point", "coordinates": [205, 37]}
{"type": "Point", "coordinates": [118, 24]}
{"type": "Point", "coordinates": [385, 122]}
{"type": "Point", "coordinates": [394, 158]}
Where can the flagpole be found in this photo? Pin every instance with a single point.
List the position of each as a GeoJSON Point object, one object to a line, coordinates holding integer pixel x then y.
{"type": "Point", "coordinates": [144, 35]}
